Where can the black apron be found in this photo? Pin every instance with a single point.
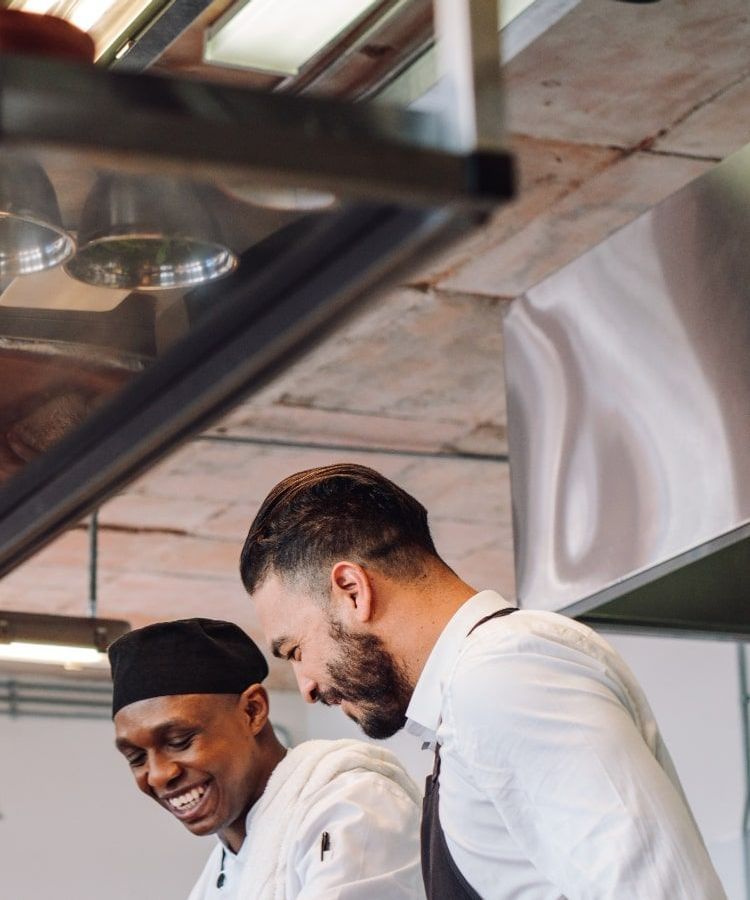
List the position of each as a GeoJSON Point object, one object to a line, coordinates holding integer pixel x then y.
{"type": "Point", "coordinates": [442, 878]}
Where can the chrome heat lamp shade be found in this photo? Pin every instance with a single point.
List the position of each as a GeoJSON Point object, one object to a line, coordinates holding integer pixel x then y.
{"type": "Point", "coordinates": [32, 237]}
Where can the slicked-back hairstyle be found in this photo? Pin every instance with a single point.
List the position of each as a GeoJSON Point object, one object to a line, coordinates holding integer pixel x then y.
{"type": "Point", "coordinates": [314, 518]}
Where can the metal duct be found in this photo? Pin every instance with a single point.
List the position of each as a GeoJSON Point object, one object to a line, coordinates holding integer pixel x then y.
{"type": "Point", "coordinates": [628, 378]}
{"type": "Point", "coordinates": [55, 699]}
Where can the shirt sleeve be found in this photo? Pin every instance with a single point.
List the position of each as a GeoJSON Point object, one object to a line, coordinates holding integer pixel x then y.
{"type": "Point", "coordinates": [549, 739]}
{"type": "Point", "coordinates": [373, 840]}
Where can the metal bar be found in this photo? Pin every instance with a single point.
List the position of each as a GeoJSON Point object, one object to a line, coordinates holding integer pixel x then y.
{"type": "Point", "coordinates": [54, 686]}
{"type": "Point", "coordinates": [93, 561]}
{"type": "Point", "coordinates": [47, 628]}
{"type": "Point", "coordinates": [660, 570]}
{"type": "Point", "coordinates": [18, 700]}
{"type": "Point", "coordinates": [355, 448]}
{"type": "Point", "coordinates": [745, 715]}
{"type": "Point", "coordinates": [158, 34]}
{"type": "Point", "coordinates": [713, 631]}
{"type": "Point", "coordinates": [204, 130]}
{"type": "Point", "coordinates": [468, 56]}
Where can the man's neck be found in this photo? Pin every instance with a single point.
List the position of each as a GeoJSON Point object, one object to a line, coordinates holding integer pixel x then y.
{"type": "Point", "coordinates": [233, 836]}
{"type": "Point", "coordinates": [432, 605]}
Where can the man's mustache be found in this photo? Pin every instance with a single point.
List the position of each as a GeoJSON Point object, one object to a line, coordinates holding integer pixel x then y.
{"type": "Point", "coordinates": [331, 697]}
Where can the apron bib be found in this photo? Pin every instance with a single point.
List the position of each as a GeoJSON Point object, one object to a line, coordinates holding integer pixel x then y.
{"type": "Point", "coordinates": [442, 878]}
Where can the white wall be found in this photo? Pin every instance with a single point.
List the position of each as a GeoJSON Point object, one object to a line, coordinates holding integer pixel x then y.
{"type": "Point", "coordinates": [74, 827]}
{"type": "Point", "coordinates": [693, 688]}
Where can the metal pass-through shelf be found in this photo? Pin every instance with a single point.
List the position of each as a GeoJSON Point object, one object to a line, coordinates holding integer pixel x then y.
{"type": "Point", "coordinates": [182, 242]}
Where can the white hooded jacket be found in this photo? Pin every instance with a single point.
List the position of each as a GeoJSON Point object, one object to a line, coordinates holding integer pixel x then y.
{"type": "Point", "coordinates": [338, 820]}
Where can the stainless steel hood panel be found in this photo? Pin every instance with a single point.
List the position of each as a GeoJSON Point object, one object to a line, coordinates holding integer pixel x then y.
{"type": "Point", "coordinates": [628, 378]}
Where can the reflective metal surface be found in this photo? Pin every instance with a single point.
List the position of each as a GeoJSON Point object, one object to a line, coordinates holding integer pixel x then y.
{"type": "Point", "coordinates": [32, 237]}
{"type": "Point", "coordinates": [99, 379]}
{"type": "Point", "coordinates": [145, 233]}
{"type": "Point", "coordinates": [628, 377]}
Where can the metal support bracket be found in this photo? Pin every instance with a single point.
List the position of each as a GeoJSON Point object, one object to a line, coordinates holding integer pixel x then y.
{"type": "Point", "coordinates": [468, 53]}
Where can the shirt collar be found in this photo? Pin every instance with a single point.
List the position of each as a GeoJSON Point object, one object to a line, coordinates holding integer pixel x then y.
{"type": "Point", "coordinates": [423, 713]}
{"type": "Point", "coordinates": [229, 855]}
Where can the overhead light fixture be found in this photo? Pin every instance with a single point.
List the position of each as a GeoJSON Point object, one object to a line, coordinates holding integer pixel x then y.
{"type": "Point", "coordinates": [69, 641]}
{"type": "Point", "coordinates": [73, 642]}
{"type": "Point", "coordinates": [32, 237]}
{"type": "Point", "coordinates": [280, 36]}
{"type": "Point", "coordinates": [149, 234]}
{"type": "Point", "coordinates": [108, 22]}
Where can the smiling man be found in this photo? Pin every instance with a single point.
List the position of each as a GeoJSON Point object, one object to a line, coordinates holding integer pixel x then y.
{"type": "Point", "coordinates": [550, 776]}
{"type": "Point", "coordinates": [328, 819]}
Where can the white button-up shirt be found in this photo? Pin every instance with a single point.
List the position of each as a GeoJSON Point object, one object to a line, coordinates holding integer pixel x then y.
{"type": "Point", "coordinates": [373, 829]}
{"type": "Point", "coordinates": [554, 778]}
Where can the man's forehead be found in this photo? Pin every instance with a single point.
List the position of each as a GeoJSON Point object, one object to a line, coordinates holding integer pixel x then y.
{"type": "Point", "coordinates": [155, 712]}
{"type": "Point", "coordinates": [285, 611]}
{"type": "Point", "coordinates": [276, 601]}
{"type": "Point", "coordinates": [274, 590]}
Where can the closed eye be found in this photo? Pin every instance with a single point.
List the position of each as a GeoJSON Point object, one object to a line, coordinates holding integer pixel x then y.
{"type": "Point", "coordinates": [180, 740]}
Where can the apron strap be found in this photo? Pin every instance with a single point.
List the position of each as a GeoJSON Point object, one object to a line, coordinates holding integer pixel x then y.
{"type": "Point", "coordinates": [495, 615]}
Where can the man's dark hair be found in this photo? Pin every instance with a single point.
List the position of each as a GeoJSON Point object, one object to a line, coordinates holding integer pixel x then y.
{"type": "Point", "coordinates": [345, 511]}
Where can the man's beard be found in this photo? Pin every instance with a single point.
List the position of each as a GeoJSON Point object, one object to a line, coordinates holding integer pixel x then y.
{"type": "Point", "coordinates": [364, 673]}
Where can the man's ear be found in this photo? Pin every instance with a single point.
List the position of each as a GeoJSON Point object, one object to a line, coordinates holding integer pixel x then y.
{"type": "Point", "coordinates": [352, 591]}
{"type": "Point", "coordinates": [254, 706]}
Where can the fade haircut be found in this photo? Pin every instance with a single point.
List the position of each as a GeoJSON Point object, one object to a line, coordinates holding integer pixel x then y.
{"type": "Point", "coordinates": [314, 518]}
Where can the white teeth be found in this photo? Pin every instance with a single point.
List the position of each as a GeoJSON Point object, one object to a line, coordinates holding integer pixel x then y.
{"type": "Point", "coordinates": [189, 798]}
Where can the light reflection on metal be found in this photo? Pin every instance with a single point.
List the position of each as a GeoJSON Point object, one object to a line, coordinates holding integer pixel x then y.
{"type": "Point", "coordinates": [293, 199]}
{"type": "Point", "coordinates": [468, 52]}
{"type": "Point", "coordinates": [628, 378]}
{"type": "Point", "coordinates": [148, 234]}
{"type": "Point", "coordinates": [106, 21]}
{"type": "Point", "coordinates": [32, 237]}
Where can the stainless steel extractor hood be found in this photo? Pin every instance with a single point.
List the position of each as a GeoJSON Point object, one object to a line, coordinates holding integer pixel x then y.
{"type": "Point", "coordinates": [628, 378]}
{"type": "Point", "coordinates": [166, 246]}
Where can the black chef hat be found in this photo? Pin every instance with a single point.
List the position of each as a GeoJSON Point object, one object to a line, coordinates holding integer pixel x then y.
{"type": "Point", "coordinates": [189, 656]}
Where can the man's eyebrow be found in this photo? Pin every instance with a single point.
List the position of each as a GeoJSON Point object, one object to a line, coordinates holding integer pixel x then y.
{"type": "Point", "coordinates": [122, 745]}
{"type": "Point", "coordinates": [277, 644]}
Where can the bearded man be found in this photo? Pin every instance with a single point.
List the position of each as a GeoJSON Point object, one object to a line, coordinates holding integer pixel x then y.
{"type": "Point", "coordinates": [325, 820]}
{"type": "Point", "coordinates": [550, 776]}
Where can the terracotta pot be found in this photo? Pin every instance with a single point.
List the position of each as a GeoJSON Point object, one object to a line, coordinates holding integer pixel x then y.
{"type": "Point", "coordinates": [37, 35]}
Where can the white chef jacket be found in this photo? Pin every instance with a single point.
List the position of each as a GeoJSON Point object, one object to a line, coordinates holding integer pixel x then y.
{"type": "Point", "coordinates": [373, 828]}
{"type": "Point", "coordinates": [554, 779]}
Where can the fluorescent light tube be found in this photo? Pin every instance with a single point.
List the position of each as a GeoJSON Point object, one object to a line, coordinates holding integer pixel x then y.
{"type": "Point", "coordinates": [69, 641]}
{"type": "Point", "coordinates": [280, 36]}
{"type": "Point", "coordinates": [58, 654]}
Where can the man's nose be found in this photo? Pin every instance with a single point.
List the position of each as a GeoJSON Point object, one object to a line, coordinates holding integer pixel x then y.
{"type": "Point", "coordinates": [307, 687]}
{"type": "Point", "coordinates": [161, 773]}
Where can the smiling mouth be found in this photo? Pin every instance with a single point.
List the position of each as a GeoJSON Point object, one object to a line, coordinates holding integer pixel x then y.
{"type": "Point", "coordinates": [188, 802]}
